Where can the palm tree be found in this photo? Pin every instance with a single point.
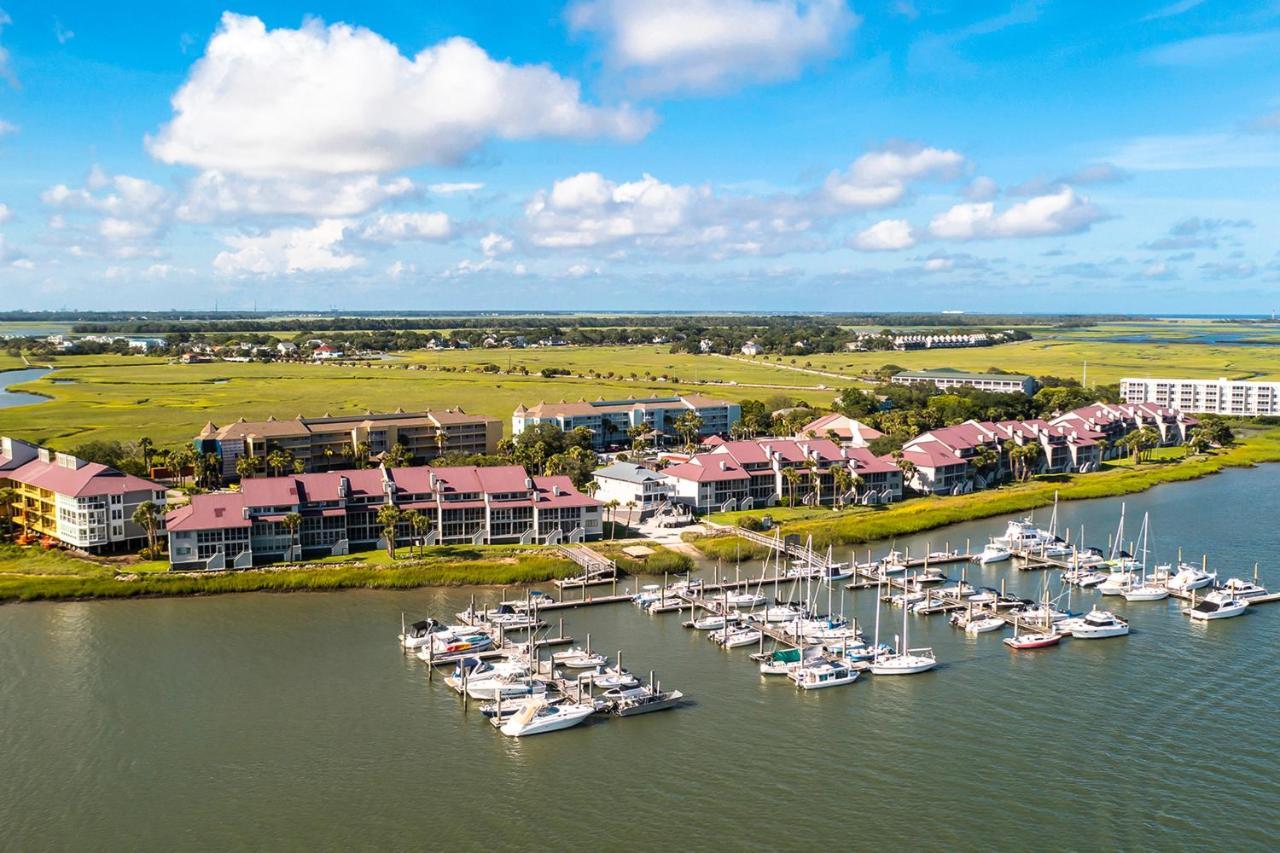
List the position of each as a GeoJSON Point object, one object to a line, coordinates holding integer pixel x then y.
{"type": "Point", "coordinates": [8, 496]}
{"type": "Point", "coordinates": [689, 425]}
{"type": "Point", "coordinates": [815, 476]}
{"type": "Point", "coordinates": [630, 505]}
{"type": "Point", "coordinates": [397, 455]}
{"type": "Point", "coordinates": [245, 468]}
{"type": "Point", "coordinates": [421, 524]}
{"type": "Point", "coordinates": [442, 441]}
{"type": "Point", "coordinates": [612, 505]}
{"type": "Point", "coordinates": [147, 516]}
{"type": "Point", "coordinates": [299, 466]}
{"type": "Point", "coordinates": [841, 479]}
{"type": "Point", "coordinates": [146, 446]}
{"type": "Point", "coordinates": [792, 476]}
{"type": "Point", "coordinates": [292, 523]}
{"type": "Point", "coordinates": [276, 461]}
{"type": "Point", "coordinates": [389, 518]}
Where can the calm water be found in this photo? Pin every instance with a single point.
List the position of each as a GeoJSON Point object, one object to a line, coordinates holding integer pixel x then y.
{"type": "Point", "coordinates": [293, 722]}
{"type": "Point", "coordinates": [17, 377]}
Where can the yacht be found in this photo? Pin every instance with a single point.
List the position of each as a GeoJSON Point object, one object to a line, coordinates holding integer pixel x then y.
{"type": "Point", "coordinates": [420, 634]}
{"type": "Point", "coordinates": [1189, 577]}
{"type": "Point", "coordinates": [1241, 588]}
{"type": "Point", "coordinates": [1219, 604]}
{"type": "Point", "coordinates": [1095, 625]}
{"type": "Point", "coordinates": [537, 717]}
{"type": "Point", "coordinates": [1118, 582]}
{"type": "Point", "coordinates": [823, 672]}
{"type": "Point", "coordinates": [1023, 534]}
{"type": "Point", "coordinates": [993, 553]}
{"type": "Point", "coordinates": [736, 637]}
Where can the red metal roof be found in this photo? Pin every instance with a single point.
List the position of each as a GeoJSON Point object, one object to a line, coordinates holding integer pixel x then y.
{"type": "Point", "coordinates": [91, 479]}
{"type": "Point", "coordinates": [220, 509]}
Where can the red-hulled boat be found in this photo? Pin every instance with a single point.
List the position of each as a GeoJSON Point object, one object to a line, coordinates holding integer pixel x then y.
{"type": "Point", "coordinates": [1033, 641]}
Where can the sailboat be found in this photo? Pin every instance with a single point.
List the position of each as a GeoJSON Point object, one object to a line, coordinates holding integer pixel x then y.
{"type": "Point", "coordinates": [906, 661]}
{"type": "Point", "coordinates": [1146, 590]}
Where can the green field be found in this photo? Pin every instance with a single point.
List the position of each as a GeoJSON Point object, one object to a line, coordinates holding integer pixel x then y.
{"type": "Point", "coordinates": [123, 398]}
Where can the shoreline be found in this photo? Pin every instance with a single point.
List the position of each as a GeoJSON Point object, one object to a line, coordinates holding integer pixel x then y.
{"type": "Point", "coordinates": [918, 515]}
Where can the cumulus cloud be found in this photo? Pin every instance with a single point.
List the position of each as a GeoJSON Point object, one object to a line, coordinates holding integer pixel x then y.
{"type": "Point", "coordinates": [124, 209]}
{"type": "Point", "coordinates": [495, 244]}
{"type": "Point", "coordinates": [710, 45]}
{"type": "Point", "coordinates": [1062, 212]}
{"type": "Point", "coordinates": [285, 251]}
{"type": "Point", "coordinates": [342, 100]}
{"type": "Point", "coordinates": [982, 188]}
{"type": "Point", "coordinates": [214, 195]}
{"type": "Point", "coordinates": [1229, 270]}
{"type": "Point", "coordinates": [397, 227]}
{"type": "Point", "coordinates": [880, 178]}
{"type": "Point", "coordinates": [1095, 173]}
{"type": "Point", "coordinates": [455, 187]}
{"type": "Point", "coordinates": [886, 235]}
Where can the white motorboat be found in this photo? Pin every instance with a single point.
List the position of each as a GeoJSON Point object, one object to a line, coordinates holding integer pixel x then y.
{"type": "Point", "coordinates": [779, 661]}
{"type": "Point", "coordinates": [960, 589]}
{"type": "Point", "coordinates": [823, 672]}
{"type": "Point", "coordinates": [1118, 582]}
{"type": "Point", "coordinates": [985, 597]}
{"type": "Point", "coordinates": [506, 687]}
{"type": "Point", "coordinates": [422, 633]}
{"type": "Point", "coordinates": [902, 599]}
{"type": "Point", "coordinates": [993, 553]}
{"type": "Point", "coordinates": [1189, 577]}
{"type": "Point", "coordinates": [715, 621]}
{"type": "Point", "coordinates": [538, 717]}
{"type": "Point", "coordinates": [448, 646]}
{"type": "Point", "coordinates": [1219, 604]}
{"type": "Point", "coordinates": [612, 677]}
{"type": "Point", "coordinates": [736, 637]}
{"type": "Point", "coordinates": [931, 574]}
{"type": "Point", "coordinates": [1023, 534]}
{"type": "Point", "coordinates": [1041, 613]}
{"type": "Point", "coordinates": [983, 625]}
{"type": "Point", "coordinates": [577, 658]}
{"type": "Point", "coordinates": [1094, 625]}
{"type": "Point", "coordinates": [648, 594]}
{"type": "Point", "coordinates": [893, 563]}
{"type": "Point", "coordinates": [1241, 588]}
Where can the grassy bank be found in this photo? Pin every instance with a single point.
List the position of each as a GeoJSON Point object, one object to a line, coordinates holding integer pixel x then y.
{"type": "Point", "coordinates": [860, 525]}
{"type": "Point", "coordinates": [662, 560]}
{"type": "Point", "coordinates": [30, 575]}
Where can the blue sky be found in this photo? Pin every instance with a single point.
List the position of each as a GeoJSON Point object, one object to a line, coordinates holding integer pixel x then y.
{"type": "Point", "coordinates": [604, 154]}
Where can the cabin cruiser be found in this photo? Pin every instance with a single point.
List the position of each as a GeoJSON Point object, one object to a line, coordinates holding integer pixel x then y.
{"type": "Point", "coordinates": [779, 661]}
{"type": "Point", "coordinates": [735, 637]}
{"type": "Point", "coordinates": [1084, 577]}
{"type": "Point", "coordinates": [1095, 625]}
{"type": "Point", "coordinates": [827, 631]}
{"type": "Point", "coordinates": [902, 599]}
{"type": "Point", "coordinates": [577, 658]}
{"type": "Point", "coordinates": [504, 616]}
{"type": "Point", "coordinates": [777, 613]}
{"type": "Point", "coordinates": [1189, 577]}
{"type": "Point", "coordinates": [822, 672]}
{"type": "Point", "coordinates": [931, 574]}
{"type": "Point", "coordinates": [1118, 581]}
{"type": "Point", "coordinates": [1090, 557]}
{"type": "Point", "coordinates": [993, 553]}
{"type": "Point", "coordinates": [537, 716]}
{"type": "Point", "coordinates": [1219, 604]}
{"type": "Point", "coordinates": [1023, 534]}
{"type": "Point", "coordinates": [420, 634]}
{"type": "Point", "coordinates": [1241, 588]}
{"type": "Point", "coordinates": [959, 589]}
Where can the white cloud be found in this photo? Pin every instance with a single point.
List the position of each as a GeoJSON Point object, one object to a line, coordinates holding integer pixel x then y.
{"type": "Point", "coordinates": [1173, 9]}
{"type": "Point", "coordinates": [1061, 212]}
{"type": "Point", "coordinates": [395, 227]}
{"type": "Point", "coordinates": [982, 188]}
{"type": "Point", "coordinates": [24, 264]}
{"type": "Point", "coordinates": [880, 178]}
{"type": "Point", "coordinates": [7, 127]}
{"type": "Point", "coordinates": [1212, 50]}
{"type": "Point", "coordinates": [886, 235]}
{"type": "Point", "coordinates": [214, 195]}
{"type": "Point", "coordinates": [343, 100]}
{"type": "Point", "coordinates": [587, 209]}
{"type": "Point", "coordinates": [6, 71]}
{"type": "Point", "coordinates": [287, 251]}
{"type": "Point", "coordinates": [707, 45]}
{"type": "Point", "coordinates": [5, 213]}
{"type": "Point", "coordinates": [495, 244]}
{"type": "Point", "coordinates": [399, 268]}
{"type": "Point", "coordinates": [456, 187]}
{"type": "Point", "coordinates": [128, 209]}
{"type": "Point", "coordinates": [939, 264]}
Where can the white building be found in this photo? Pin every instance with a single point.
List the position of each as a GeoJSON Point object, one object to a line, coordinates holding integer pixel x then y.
{"type": "Point", "coordinates": [752, 348]}
{"type": "Point", "coordinates": [628, 483]}
{"type": "Point", "coordinates": [1207, 396]}
{"type": "Point", "coordinates": [1004, 383]}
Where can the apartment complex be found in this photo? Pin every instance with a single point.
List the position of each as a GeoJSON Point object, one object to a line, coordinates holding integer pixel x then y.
{"type": "Point", "coordinates": [329, 443]}
{"type": "Point", "coordinates": [745, 474]}
{"type": "Point", "coordinates": [339, 509]}
{"type": "Point", "coordinates": [841, 428]}
{"type": "Point", "coordinates": [81, 504]}
{"type": "Point", "coordinates": [1206, 396]}
{"type": "Point", "coordinates": [610, 420]}
{"type": "Point", "coordinates": [1004, 383]}
{"type": "Point", "coordinates": [945, 460]}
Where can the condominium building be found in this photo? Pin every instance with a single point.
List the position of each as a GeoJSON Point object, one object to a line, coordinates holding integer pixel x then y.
{"type": "Point", "coordinates": [745, 474]}
{"type": "Point", "coordinates": [1206, 396]}
{"type": "Point", "coordinates": [339, 514]}
{"type": "Point", "coordinates": [609, 420]}
{"type": "Point", "coordinates": [328, 443]}
{"type": "Point", "coordinates": [841, 428]}
{"type": "Point", "coordinates": [634, 487]}
{"type": "Point", "coordinates": [1004, 383]}
{"type": "Point", "coordinates": [80, 504]}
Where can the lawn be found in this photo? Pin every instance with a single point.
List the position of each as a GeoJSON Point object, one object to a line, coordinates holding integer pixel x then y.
{"type": "Point", "coordinates": [123, 399]}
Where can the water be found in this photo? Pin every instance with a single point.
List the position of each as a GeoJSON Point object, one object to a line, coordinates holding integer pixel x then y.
{"type": "Point", "coordinates": [292, 722]}
{"type": "Point", "coordinates": [9, 378]}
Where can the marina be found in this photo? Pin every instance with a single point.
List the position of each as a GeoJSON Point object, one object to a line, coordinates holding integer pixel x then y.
{"type": "Point", "coordinates": [331, 659]}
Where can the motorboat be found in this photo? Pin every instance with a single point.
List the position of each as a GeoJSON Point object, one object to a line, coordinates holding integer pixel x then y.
{"type": "Point", "coordinates": [647, 698]}
{"type": "Point", "coordinates": [1095, 625]}
{"type": "Point", "coordinates": [926, 605]}
{"type": "Point", "coordinates": [1033, 641]}
{"type": "Point", "coordinates": [984, 597]}
{"type": "Point", "coordinates": [1090, 557]}
{"type": "Point", "coordinates": [736, 637]}
{"type": "Point", "coordinates": [1189, 577]}
{"type": "Point", "coordinates": [893, 563]}
{"type": "Point", "coordinates": [715, 621]}
{"type": "Point", "coordinates": [823, 672]}
{"type": "Point", "coordinates": [1118, 582]}
{"type": "Point", "coordinates": [422, 633]}
{"type": "Point", "coordinates": [506, 687]}
{"type": "Point", "coordinates": [1084, 577]}
{"type": "Point", "coordinates": [959, 589]}
{"type": "Point", "coordinates": [824, 630]}
{"type": "Point", "coordinates": [977, 623]}
{"type": "Point", "coordinates": [860, 652]}
{"type": "Point", "coordinates": [1219, 604]}
{"type": "Point", "coordinates": [779, 661]}
{"type": "Point", "coordinates": [930, 574]}
{"type": "Point", "coordinates": [536, 598]}
{"type": "Point", "coordinates": [1241, 588]}
{"type": "Point", "coordinates": [993, 553]}
{"type": "Point", "coordinates": [648, 594]}
{"type": "Point", "coordinates": [504, 616]}
{"type": "Point", "coordinates": [537, 717]}
{"type": "Point", "coordinates": [577, 658]}
{"type": "Point", "coordinates": [446, 646]}
{"type": "Point", "coordinates": [1023, 535]}
{"type": "Point", "coordinates": [1041, 613]}
{"type": "Point", "coordinates": [1149, 591]}
{"type": "Point", "coordinates": [902, 599]}
{"type": "Point", "coordinates": [612, 677]}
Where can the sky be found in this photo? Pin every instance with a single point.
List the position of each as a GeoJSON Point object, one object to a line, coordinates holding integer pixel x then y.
{"type": "Point", "coordinates": [780, 155]}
